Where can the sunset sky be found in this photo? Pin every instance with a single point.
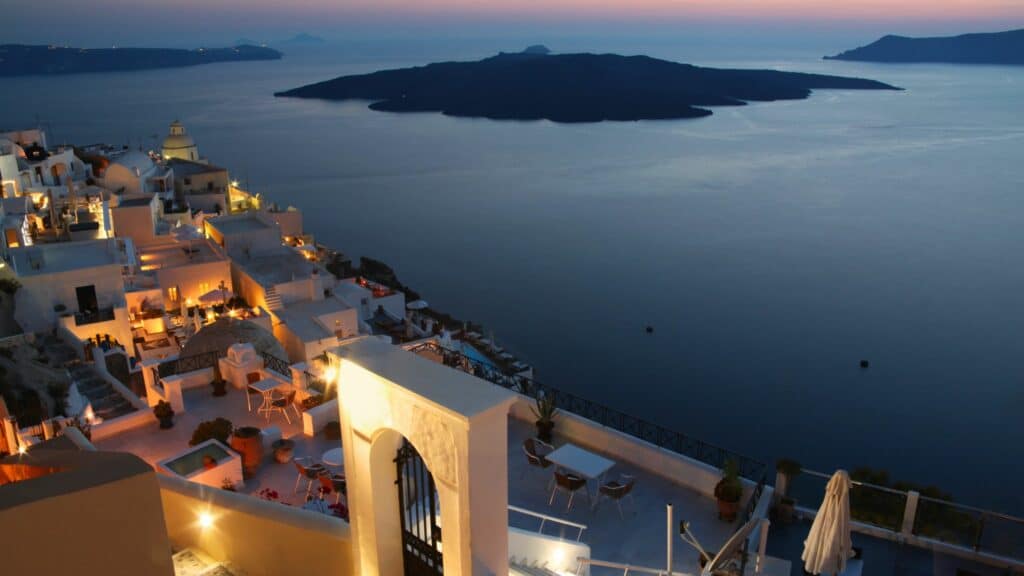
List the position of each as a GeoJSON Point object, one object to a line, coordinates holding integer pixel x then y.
{"type": "Point", "coordinates": [145, 22]}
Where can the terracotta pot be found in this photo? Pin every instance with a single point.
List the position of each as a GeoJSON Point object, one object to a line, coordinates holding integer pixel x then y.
{"type": "Point", "coordinates": [220, 387]}
{"type": "Point", "coordinates": [727, 510]}
{"type": "Point", "coordinates": [248, 443]}
{"type": "Point", "coordinates": [283, 451]}
{"type": "Point", "coordinates": [545, 430]}
{"type": "Point", "coordinates": [167, 422]}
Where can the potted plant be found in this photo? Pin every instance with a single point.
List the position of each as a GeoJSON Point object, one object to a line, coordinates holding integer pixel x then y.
{"type": "Point", "coordinates": [332, 430]}
{"type": "Point", "coordinates": [545, 411]}
{"type": "Point", "coordinates": [785, 505]}
{"type": "Point", "coordinates": [220, 386]}
{"type": "Point", "coordinates": [283, 450]}
{"type": "Point", "coordinates": [218, 429]}
{"type": "Point", "coordinates": [312, 401]}
{"type": "Point", "coordinates": [165, 414]}
{"type": "Point", "coordinates": [729, 492]}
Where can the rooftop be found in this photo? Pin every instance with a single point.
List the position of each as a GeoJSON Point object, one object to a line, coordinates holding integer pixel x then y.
{"type": "Point", "coordinates": [301, 318]}
{"type": "Point", "coordinates": [277, 267]}
{"type": "Point", "coordinates": [190, 168]}
{"type": "Point", "coordinates": [63, 257]}
{"type": "Point", "coordinates": [135, 202]}
{"type": "Point", "coordinates": [177, 254]}
{"type": "Point", "coordinates": [238, 224]}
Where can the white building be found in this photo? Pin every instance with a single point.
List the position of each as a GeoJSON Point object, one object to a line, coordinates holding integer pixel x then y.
{"type": "Point", "coordinates": [308, 329]}
{"type": "Point", "coordinates": [74, 286]}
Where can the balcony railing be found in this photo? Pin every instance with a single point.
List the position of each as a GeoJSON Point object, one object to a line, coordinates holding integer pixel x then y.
{"type": "Point", "coordinates": [612, 418]}
{"type": "Point", "coordinates": [195, 362]}
{"type": "Point", "coordinates": [95, 316]}
{"type": "Point", "coordinates": [982, 531]}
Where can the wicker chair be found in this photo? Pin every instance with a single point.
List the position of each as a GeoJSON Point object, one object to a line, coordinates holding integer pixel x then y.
{"type": "Point", "coordinates": [617, 490]}
{"type": "Point", "coordinates": [569, 483]}
{"type": "Point", "coordinates": [332, 483]}
{"type": "Point", "coordinates": [281, 404]}
{"type": "Point", "coordinates": [309, 471]}
{"type": "Point", "coordinates": [251, 378]}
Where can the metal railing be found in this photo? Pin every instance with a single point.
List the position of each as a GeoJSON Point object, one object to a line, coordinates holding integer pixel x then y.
{"type": "Point", "coordinates": [195, 362]}
{"type": "Point", "coordinates": [282, 367]}
{"type": "Point", "coordinates": [610, 417]}
{"type": "Point", "coordinates": [627, 569]}
{"type": "Point", "coordinates": [871, 504]}
{"type": "Point", "coordinates": [980, 530]}
{"type": "Point", "coordinates": [94, 317]}
{"type": "Point", "coordinates": [544, 518]}
{"type": "Point", "coordinates": [187, 364]}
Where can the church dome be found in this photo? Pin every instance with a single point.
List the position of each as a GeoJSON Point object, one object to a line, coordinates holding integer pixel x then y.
{"type": "Point", "coordinates": [220, 335]}
{"type": "Point", "coordinates": [178, 144]}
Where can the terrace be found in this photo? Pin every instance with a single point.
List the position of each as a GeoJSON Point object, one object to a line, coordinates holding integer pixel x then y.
{"type": "Point", "coordinates": [155, 445]}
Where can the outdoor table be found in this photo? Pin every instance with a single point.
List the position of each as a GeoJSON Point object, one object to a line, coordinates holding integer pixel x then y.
{"type": "Point", "coordinates": [266, 389]}
{"type": "Point", "coordinates": [587, 464]}
{"type": "Point", "coordinates": [334, 457]}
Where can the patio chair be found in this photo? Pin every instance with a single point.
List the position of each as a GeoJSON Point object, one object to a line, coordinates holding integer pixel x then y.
{"type": "Point", "coordinates": [251, 378]}
{"type": "Point", "coordinates": [536, 455]}
{"type": "Point", "coordinates": [569, 483]}
{"type": "Point", "coordinates": [332, 483]}
{"type": "Point", "coordinates": [281, 404]}
{"type": "Point", "coordinates": [309, 471]}
{"type": "Point", "coordinates": [616, 490]}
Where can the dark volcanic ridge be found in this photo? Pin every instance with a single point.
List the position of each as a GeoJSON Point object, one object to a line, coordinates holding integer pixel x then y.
{"type": "Point", "coordinates": [572, 88]}
{"type": "Point", "coordinates": [24, 60]}
{"type": "Point", "coordinates": [1005, 48]}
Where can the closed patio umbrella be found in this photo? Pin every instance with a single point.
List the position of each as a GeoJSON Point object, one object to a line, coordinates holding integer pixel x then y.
{"type": "Point", "coordinates": [828, 545]}
{"type": "Point", "coordinates": [417, 305]}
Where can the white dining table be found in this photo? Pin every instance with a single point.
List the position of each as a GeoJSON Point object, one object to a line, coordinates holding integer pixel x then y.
{"type": "Point", "coordinates": [583, 462]}
{"type": "Point", "coordinates": [266, 388]}
{"type": "Point", "coordinates": [334, 457]}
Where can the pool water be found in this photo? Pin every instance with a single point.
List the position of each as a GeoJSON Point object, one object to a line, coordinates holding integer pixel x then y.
{"type": "Point", "coordinates": [191, 462]}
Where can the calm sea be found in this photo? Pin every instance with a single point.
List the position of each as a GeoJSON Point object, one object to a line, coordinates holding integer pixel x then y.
{"type": "Point", "coordinates": [771, 246]}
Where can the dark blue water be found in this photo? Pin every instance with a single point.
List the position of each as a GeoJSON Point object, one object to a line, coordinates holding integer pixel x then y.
{"type": "Point", "coordinates": [771, 246]}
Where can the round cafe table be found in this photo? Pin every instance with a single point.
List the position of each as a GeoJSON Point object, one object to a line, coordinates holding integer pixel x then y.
{"type": "Point", "coordinates": [335, 457]}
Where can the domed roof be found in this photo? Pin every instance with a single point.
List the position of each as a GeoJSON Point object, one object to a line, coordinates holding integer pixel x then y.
{"type": "Point", "coordinates": [134, 160]}
{"type": "Point", "coordinates": [178, 142]}
{"type": "Point", "coordinates": [217, 337]}
{"type": "Point", "coordinates": [177, 139]}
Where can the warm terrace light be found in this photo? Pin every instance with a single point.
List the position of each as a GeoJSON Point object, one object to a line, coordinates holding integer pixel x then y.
{"type": "Point", "coordinates": [22, 450]}
{"type": "Point", "coordinates": [205, 520]}
{"type": "Point", "coordinates": [330, 374]}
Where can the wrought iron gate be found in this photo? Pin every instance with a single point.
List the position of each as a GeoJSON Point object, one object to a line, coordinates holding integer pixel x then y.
{"type": "Point", "coordinates": [417, 501]}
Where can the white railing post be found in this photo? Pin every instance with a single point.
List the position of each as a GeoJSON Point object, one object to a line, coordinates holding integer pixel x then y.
{"type": "Point", "coordinates": [762, 545]}
{"type": "Point", "coordinates": [668, 538]}
{"type": "Point", "coordinates": [909, 513]}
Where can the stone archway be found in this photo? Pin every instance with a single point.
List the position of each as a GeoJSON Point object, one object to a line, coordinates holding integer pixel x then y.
{"type": "Point", "coordinates": [458, 425]}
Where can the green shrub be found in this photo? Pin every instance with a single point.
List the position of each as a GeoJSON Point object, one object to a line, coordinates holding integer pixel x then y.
{"type": "Point", "coordinates": [219, 429]}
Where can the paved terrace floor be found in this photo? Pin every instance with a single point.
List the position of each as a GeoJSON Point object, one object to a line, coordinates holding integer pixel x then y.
{"type": "Point", "coordinates": [639, 539]}
{"type": "Point", "coordinates": [153, 444]}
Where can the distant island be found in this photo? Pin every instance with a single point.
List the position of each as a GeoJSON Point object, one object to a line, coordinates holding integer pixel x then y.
{"type": "Point", "coordinates": [25, 60]}
{"type": "Point", "coordinates": [571, 88]}
{"type": "Point", "coordinates": [990, 48]}
{"type": "Point", "coordinates": [302, 39]}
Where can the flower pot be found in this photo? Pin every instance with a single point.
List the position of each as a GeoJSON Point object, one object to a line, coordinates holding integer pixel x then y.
{"type": "Point", "coordinates": [283, 451]}
{"type": "Point", "coordinates": [167, 422]}
{"type": "Point", "coordinates": [220, 387]}
{"type": "Point", "coordinates": [247, 442]}
{"type": "Point", "coordinates": [545, 430]}
{"type": "Point", "coordinates": [728, 510]}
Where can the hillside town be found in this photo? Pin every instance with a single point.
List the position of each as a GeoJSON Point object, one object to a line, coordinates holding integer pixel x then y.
{"type": "Point", "coordinates": [186, 372]}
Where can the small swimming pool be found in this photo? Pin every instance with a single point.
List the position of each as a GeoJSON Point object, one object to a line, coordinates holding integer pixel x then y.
{"type": "Point", "coordinates": [191, 462]}
{"type": "Point", "coordinates": [471, 352]}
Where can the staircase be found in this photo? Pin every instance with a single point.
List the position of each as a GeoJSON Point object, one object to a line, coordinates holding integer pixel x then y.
{"type": "Point", "coordinates": [515, 569]}
{"type": "Point", "coordinates": [191, 562]}
{"type": "Point", "coordinates": [273, 299]}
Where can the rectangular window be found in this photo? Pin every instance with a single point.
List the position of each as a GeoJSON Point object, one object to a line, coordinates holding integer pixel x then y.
{"type": "Point", "coordinates": [172, 293]}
